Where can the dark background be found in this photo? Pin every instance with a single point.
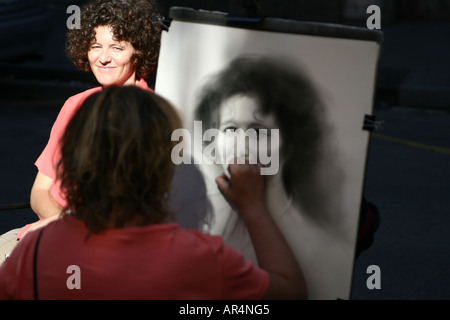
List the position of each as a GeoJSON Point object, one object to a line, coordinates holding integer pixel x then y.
{"type": "Point", "coordinates": [408, 174]}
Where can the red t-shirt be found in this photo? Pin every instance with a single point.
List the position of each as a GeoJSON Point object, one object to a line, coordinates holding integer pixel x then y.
{"type": "Point", "coordinates": [47, 161]}
{"type": "Point", "coordinates": [160, 261]}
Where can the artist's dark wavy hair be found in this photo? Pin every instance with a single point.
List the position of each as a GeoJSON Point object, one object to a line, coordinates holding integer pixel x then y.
{"type": "Point", "coordinates": [116, 158]}
{"type": "Point", "coordinates": [135, 21]}
{"type": "Point", "coordinates": [285, 91]}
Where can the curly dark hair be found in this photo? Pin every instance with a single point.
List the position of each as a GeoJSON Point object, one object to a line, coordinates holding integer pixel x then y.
{"type": "Point", "coordinates": [135, 21]}
{"type": "Point", "coordinates": [115, 164]}
{"type": "Point", "coordinates": [287, 92]}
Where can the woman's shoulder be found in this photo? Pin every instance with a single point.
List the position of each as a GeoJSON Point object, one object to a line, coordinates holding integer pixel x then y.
{"type": "Point", "coordinates": [202, 243]}
{"type": "Point", "coordinates": [183, 237]}
{"type": "Point", "coordinates": [75, 99]}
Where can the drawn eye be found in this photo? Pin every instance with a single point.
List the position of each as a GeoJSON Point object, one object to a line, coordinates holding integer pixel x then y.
{"type": "Point", "coordinates": [267, 132]}
{"type": "Point", "coordinates": [230, 129]}
{"type": "Point", "coordinates": [260, 130]}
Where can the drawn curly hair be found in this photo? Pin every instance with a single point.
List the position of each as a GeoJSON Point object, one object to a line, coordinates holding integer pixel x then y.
{"type": "Point", "coordinates": [286, 91]}
{"type": "Point", "coordinates": [135, 21]}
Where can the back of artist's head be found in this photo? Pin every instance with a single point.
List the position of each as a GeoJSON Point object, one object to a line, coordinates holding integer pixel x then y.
{"type": "Point", "coordinates": [116, 162]}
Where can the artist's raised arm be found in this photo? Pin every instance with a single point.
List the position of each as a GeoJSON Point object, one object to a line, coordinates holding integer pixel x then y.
{"type": "Point", "coordinates": [245, 193]}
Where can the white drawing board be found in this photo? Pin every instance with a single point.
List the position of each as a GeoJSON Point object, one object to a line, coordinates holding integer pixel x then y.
{"type": "Point", "coordinates": [341, 65]}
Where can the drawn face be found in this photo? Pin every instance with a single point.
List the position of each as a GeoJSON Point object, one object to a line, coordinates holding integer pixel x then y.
{"type": "Point", "coordinates": [242, 112]}
{"type": "Point", "coordinates": [111, 60]}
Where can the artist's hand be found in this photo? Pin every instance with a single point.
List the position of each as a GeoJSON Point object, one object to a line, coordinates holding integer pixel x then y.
{"type": "Point", "coordinates": [245, 188]}
{"type": "Point", "coordinates": [245, 192]}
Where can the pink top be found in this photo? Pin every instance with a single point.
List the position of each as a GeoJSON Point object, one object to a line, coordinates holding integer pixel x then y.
{"type": "Point", "coordinates": [162, 261]}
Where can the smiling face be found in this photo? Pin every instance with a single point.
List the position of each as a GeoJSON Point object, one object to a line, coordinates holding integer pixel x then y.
{"type": "Point", "coordinates": [111, 60]}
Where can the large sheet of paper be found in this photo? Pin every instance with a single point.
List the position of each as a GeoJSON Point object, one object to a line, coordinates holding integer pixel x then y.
{"type": "Point", "coordinates": [317, 87]}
